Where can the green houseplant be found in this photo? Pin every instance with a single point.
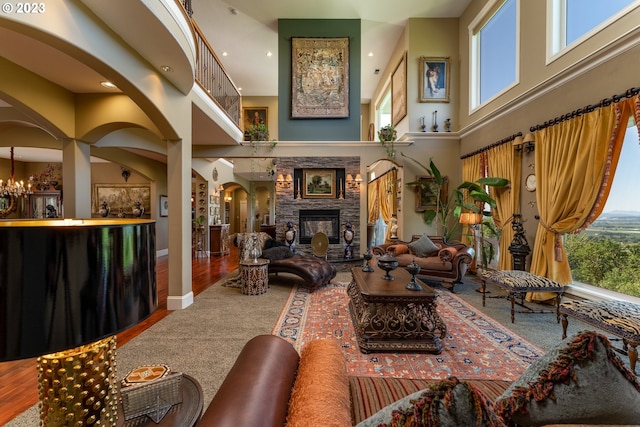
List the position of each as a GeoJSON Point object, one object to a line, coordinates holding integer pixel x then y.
{"type": "Point", "coordinates": [259, 132]}
{"type": "Point", "coordinates": [446, 214]}
{"type": "Point", "coordinates": [387, 136]}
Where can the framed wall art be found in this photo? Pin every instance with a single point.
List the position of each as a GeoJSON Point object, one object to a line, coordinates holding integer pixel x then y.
{"type": "Point", "coordinates": [427, 193]}
{"type": "Point", "coordinates": [121, 196]}
{"type": "Point", "coordinates": [254, 116]}
{"type": "Point", "coordinates": [399, 91]}
{"type": "Point", "coordinates": [164, 205]}
{"type": "Point", "coordinates": [434, 79]}
{"type": "Point", "coordinates": [319, 77]}
{"type": "Point", "coordinates": [319, 183]}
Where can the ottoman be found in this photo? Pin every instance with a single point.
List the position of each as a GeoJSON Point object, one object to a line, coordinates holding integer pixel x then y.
{"type": "Point", "coordinates": [620, 318]}
{"type": "Point", "coordinates": [518, 283]}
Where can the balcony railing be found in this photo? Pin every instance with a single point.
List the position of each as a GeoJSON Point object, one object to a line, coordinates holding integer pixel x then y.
{"type": "Point", "coordinates": [211, 75]}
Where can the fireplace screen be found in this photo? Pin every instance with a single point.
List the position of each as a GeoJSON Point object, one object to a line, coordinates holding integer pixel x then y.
{"type": "Point", "coordinates": [314, 221]}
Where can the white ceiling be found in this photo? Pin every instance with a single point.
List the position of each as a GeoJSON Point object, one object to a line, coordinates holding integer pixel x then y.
{"type": "Point", "coordinates": [253, 31]}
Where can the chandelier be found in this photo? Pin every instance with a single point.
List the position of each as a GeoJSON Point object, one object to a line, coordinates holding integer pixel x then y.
{"type": "Point", "coordinates": [13, 188]}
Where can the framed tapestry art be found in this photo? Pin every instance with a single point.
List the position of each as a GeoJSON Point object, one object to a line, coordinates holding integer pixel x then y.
{"type": "Point", "coordinates": [434, 79]}
{"type": "Point", "coordinates": [399, 91]}
{"type": "Point", "coordinates": [320, 78]}
{"type": "Point", "coordinates": [121, 196]}
{"type": "Point", "coordinates": [319, 183]}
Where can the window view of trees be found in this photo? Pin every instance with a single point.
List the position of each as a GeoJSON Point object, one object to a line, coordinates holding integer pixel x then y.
{"type": "Point", "coordinates": [607, 254]}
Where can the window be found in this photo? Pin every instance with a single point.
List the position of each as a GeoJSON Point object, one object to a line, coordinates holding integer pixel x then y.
{"type": "Point", "coordinates": [574, 20]}
{"type": "Point", "coordinates": [494, 52]}
{"type": "Point", "coordinates": [607, 254]}
{"type": "Point", "coordinates": [384, 112]}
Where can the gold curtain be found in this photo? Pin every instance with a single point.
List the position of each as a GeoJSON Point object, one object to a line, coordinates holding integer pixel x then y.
{"type": "Point", "coordinates": [372, 202]}
{"type": "Point", "coordinates": [505, 162]}
{"type": "Point", "coordinates": [386, 197]}
{"type": "Point", "coordinates": [575, 163]}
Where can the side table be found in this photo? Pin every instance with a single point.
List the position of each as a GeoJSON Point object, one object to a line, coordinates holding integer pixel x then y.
{"type": "Point", "coordinates": [254, 276]}
{"type": "Point", "coordinates": [187, 413]}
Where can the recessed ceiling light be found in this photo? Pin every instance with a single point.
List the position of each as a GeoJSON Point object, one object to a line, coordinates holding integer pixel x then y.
{"type": "Point", "coordinates": [370, 53]}
{"type": "Point", "coordinates": [224, 53]}
{"type": "Point", "coordinates": [166, 68]}
{"type": "Point", "coordinates": [108, 85]}
{"type": "Point", "coordinates": [269, 54]}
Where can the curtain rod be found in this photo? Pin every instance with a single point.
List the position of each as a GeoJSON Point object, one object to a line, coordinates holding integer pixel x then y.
{"type": "Point", "coordinates": [586, 109]}
{"type": "Point", "coordinates": [495, 144]}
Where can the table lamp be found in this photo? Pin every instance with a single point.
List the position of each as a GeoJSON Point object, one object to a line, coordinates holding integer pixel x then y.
{"type": "Point", "coordinates": [66, 288]}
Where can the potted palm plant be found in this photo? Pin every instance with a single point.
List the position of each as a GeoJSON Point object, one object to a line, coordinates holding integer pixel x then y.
{"type": "Point", "coordinates": [447, 213]}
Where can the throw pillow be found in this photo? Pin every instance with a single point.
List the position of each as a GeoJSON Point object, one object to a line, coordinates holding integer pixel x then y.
{"type": "Point", "coordinates": [580, 381]}
{"type": "Point", "coordinates": [423, 247]}
{"type": "Point", "coordinates": [320, 395]}
{"type": "Point", "coordinates": [446, 403]}
{"type": "Point", "coordinates": [398, 249]}
{"type": "Point", "coordinates": [276, 253]}
{"type": "Point", "coordinates": [273, 243]}
{"type": "Point", "coordinates": [447, 254]}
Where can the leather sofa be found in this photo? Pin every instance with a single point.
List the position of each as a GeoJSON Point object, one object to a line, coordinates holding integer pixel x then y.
{"type": "Point", "coordinates": [448, 263]}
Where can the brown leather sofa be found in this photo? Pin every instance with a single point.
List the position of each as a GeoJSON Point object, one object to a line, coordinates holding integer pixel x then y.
{"type": "Point", "coordinates": [448, 264]}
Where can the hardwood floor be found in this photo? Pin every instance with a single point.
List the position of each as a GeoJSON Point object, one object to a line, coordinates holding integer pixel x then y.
{"type": "Point", "coordinates": [19, 379]}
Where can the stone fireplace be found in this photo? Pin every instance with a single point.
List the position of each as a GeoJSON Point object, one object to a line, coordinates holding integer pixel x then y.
{"type": "Point", "coordinates": [290, 208]}
{"type": "Point", "coordinates": [315, 220]}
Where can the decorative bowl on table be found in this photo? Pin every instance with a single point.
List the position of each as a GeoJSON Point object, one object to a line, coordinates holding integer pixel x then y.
{"type": "Point", "coordinates": [387, 262]}
{"type": "Point", "coordinates": [413, 269]}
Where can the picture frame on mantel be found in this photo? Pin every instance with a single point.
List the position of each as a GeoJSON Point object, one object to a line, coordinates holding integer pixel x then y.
{"type": "Point", "coordinates": [399, 91]}
{"type": "Point", "coordinates": [434, 79]}
{"type": "Point", "coordinates": [319, 183]}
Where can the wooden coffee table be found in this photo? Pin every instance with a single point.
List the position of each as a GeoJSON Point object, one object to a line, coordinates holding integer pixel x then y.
{"type": "Point", "coordinates": [388, 317]}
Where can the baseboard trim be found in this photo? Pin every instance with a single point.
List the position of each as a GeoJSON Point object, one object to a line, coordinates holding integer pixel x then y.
{"type": "Point", "coordinates": [179, 303]}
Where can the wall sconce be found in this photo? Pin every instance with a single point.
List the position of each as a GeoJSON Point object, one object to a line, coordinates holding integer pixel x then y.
{"type": "Point", "coordinates": [526, 144]}
{"type": "Point", "coordinates": [284, 182]}
{"type": "Point", "coordinates": [228, 198]}
{"type": "Point", "coordinates": [354, 183]}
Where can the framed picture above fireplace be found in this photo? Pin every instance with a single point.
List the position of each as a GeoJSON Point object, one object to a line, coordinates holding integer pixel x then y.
{"type": "Point", "coordinates": [319, 183]}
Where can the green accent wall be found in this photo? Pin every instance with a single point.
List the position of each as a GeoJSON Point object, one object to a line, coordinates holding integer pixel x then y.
{"type": "Point", "coordinates": [347, 129]}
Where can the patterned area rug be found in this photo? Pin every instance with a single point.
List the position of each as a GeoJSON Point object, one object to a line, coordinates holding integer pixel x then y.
{"type": "Point", "coordinates": [476, 346]}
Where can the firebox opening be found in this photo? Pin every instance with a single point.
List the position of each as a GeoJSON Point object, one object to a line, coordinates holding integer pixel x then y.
{"type": "Point", "coordinates": [313, 221]}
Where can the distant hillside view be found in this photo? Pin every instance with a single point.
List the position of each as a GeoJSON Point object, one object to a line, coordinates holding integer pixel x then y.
{"type": "Point", "coordinates": [607, 254]}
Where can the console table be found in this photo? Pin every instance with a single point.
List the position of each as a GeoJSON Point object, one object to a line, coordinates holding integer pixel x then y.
{"type": "Point", "coordinates": [187, 413]}
{"type": "Point", "coordinates": [388, 317]}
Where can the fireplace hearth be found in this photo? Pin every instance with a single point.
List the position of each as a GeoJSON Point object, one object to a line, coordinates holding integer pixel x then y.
{"type": "Point", "coordinates": [324, 220]}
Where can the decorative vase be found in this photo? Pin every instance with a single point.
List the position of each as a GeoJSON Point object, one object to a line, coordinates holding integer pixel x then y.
{"type": "Point", "coordinates": [255, 249]}
{"type": "Point", "coordinates": [104, 210]}
{"type": "Point", "coordinates": [138, 210]}
{"type": "Point", "coordinates": [290, 236]}
{"type": "Point", "coordinates": [413, 269]}
{"type": "Point", "coordinates": [366, 265]}
{"type": "Point", "coordinates": [122, 213]}
{"type": "Point", "coordinates": [387, 262]}
{"type": "Point", "coordinates": [348, 234]}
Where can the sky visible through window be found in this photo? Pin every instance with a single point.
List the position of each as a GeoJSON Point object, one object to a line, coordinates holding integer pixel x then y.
{"type": "Point", "coordinates": [623, 195]}
{"type": "Point", "coordinates": [583, 15]}
{"type": "Point", "coordinates": [498, 51]}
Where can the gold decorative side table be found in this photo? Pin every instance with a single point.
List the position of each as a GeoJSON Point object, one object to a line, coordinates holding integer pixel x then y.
{"type": "Point", "coordinates": [254, 276]}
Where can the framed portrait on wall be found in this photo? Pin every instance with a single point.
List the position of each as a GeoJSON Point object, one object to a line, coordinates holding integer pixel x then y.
{"type": "Point", "coordinates": [399, 91]}
{"type": "Point", "coordinates": [434, 79]}
{"type": "Point", "coordinates": [319, 183]}
{"type": "Point", "coordinates": [254, 116]}
{"type": "Point", "coordinates": [164, 205]}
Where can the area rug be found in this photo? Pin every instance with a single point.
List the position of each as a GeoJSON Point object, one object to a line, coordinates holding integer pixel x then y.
{"type": "Point", "coordinates": [475, 347]}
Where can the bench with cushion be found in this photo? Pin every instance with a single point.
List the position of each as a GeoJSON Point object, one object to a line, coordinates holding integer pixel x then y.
{"type": "Point", "coordinates": [620, 318]}
{"type": "Point", "coordinates": [517, 283]}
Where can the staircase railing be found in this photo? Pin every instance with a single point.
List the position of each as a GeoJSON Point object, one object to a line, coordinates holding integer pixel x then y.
{"type": "Point", "coordinates": [211, 75]}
